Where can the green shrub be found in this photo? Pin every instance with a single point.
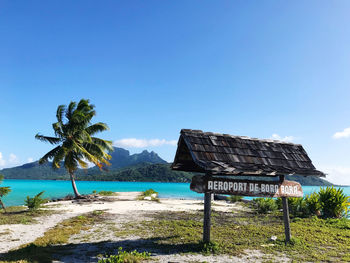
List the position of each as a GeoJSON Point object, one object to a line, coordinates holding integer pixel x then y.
{"type": "Point", "coordinates": [264, 205]}
{"type": "Point", "coordinates": [3, 191]}
{"type": "Point", "coordinates": [34, 203]}
{"type": "Point", "coordinates": [298, 207]}
{"type": "Point", "coordinates": [125, 257]}
{"type": "Point", "coordinates": [334, 203]}
{"type": "Point", "coordinates": [106, 193]}
{"type": "Point", "coordinates": [211, 247]}
{"type": "Point", "coordinates": [234, 198]}
{"type": "Point", "coordinates": [149, 192]}
{"type": "Point", "coordinates": [313, 204]}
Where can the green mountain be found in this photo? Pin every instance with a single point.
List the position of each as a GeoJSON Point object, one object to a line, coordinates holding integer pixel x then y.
{"type": "Point", "coordinates": [143, 167]}
{"type": "Point", "coordinates": [120, 158]}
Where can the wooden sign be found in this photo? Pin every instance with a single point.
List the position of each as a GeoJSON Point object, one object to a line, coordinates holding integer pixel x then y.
{"type": "Point", "coordinates": [203, 184]}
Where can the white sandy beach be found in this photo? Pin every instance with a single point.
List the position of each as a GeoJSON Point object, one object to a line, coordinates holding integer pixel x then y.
{"type": "Point", "coordinates": [124, 209]}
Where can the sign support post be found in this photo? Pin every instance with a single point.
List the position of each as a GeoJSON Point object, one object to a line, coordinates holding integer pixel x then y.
{"type": "Point", "coordinates": [286, 218]}
{"type": "Point", "coordinates": [207, 214]}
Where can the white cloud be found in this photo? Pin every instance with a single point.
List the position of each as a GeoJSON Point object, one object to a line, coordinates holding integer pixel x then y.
{"type": "Point", "coordinates": [275, 136]}
{"type": "Point", "coordinates": [337, 174]}
{"type": "Point", "coordinates": [343, 134]}
{"type": "Point", "coordinates": [13, 159]}
{"type": "Point", "coordinates": [30, 160]}
{"type": "Point", "coordinates": [2, 161]}
{"type": "Point", "coordinates": [142, 143]}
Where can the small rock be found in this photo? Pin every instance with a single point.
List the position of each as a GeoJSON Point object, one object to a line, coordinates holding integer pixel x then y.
{"type": "Point", "coordinates": [147, 198]}
{"type": "Point", "coordinates": [154, 195]}
{"type": "Point", "coordinates": [273, 238]}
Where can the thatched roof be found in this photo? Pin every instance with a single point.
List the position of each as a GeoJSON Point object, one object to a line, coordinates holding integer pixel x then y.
{"type": "Point", "coordinates": [224, 154]}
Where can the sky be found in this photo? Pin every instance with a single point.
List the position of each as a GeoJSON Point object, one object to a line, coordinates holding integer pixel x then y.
{"type": "Point", "coordinates": [265, 69]}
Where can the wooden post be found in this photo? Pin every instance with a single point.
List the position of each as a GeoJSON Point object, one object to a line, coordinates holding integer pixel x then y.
{"type": "Point", "coordinates": [207, 214]}
{"type": "Point", "coordinates": [286, 219]}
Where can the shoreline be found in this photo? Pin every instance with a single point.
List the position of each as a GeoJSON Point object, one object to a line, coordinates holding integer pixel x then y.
{"type": "Point", "coordinates": [124, 203]}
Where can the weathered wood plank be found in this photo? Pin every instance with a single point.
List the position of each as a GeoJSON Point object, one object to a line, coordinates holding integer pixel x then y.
{"type": "Point", "coordinates": [207, 214]}
{"type": "Point", "coordinates": [201, 184]}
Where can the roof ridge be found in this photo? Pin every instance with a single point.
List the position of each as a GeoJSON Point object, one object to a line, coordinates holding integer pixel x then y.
{"type": "Point", "coordinates": [183, 131]}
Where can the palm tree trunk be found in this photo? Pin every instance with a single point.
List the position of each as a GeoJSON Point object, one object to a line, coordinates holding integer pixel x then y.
{"type": "Point", "coordinates": [76, 193]}
{"type": "Point", "coordinates": [3, 206]}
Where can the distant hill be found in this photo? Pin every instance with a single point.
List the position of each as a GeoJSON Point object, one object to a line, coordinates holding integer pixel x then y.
{"type": "Point", "coordinates": [120, 158]}
{"type": "Point", "coordinates": [143, 167]}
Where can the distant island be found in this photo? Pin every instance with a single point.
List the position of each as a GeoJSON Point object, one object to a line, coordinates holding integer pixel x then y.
{"type": "Point", "coordinates": [142, 167]}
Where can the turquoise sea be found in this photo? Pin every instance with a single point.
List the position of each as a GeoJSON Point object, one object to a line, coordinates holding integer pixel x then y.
{"type": "Point", "coordinates": [56, 189]}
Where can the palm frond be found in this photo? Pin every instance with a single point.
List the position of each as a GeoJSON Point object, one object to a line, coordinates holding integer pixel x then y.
{"type": "Point", "coordinates": [83, 164]}
{"type": "Point", "coordinates": [57, 127]}
{"type": "Point", "coordinates": [52, 140]}
{"type": "Point", "coordinates": [60, 110]}
{"type": "Point", "coordinates": [70, 110]}
{"type": "Point", "coordinates": [51, 154]}
{"type": "Point", "coordinates": [70, 162]}
{"type": "Point", "coordinates": [4, 190]}
{"type": "Point", "coordinates": [59, 156]}
{"type": "Point", "coordinates": [106, 145]}
{"type": "Point", "coordinates": [97, 127]}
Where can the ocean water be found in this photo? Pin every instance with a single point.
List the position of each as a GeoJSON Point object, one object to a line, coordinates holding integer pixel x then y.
{"type": "Point", "coordinates": [56, 189]}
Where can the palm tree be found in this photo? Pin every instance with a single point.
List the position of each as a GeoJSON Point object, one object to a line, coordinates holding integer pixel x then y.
{"type": "Point", "coordinates": [74, 137]}
{"type": "Point", "coordinates": [3, 191]}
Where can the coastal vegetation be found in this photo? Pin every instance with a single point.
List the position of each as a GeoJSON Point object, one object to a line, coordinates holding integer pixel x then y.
{"type": "Point", "coordinates": [43, 248]}
{"type": "Point", "coordinates": [74, 137]}
{"type": "Point", "coordinates": [34, 203]}
{"type": "Point", "coordinates": [4, 190]}
{"type": "Point", "coordinates": [167, 233]}
{"type": "Point", "coordinates": [107, 193]}
{"type": "Point", "coordinates": [150, 195]}
{"type": "Point", "coordinates": [22, 215]}
{"type": "Point", "coordinates": [329, 202]}
{"type": "Point", "coordinates": [125, 257]}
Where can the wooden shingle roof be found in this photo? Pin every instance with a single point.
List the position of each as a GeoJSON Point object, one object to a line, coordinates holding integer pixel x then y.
{"type": "Point", "coordinates": [224, 154]}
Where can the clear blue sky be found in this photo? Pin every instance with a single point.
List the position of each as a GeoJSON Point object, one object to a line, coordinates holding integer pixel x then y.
{"type": "Point", "coordinates": [253, 68]}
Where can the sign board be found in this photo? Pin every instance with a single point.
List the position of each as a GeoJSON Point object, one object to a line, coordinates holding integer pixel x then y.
{"type": "Point", "coordinates": [205, 184]}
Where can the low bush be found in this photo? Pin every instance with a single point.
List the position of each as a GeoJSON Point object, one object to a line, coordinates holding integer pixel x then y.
{"type": "Point", "coordinates": [329, 202]}
{"type": "Point", "coordinates": [298, 207]}
{"type": "Point", "coordinates": [234, 198]}
{"type": "Point", "coordinates": [334, 203]}
{"type": "Point", "coordinates": [125, 257]}
{"type": "Point", "coordinates": [264, 205]}
{"type": "Point", "coordinates": [313, 204]}
{"type": "Point", "coordinates": [34, 203]}
{"type": "Point", "coordinates": [106, 193]}
{"type": "Point", "coordinates": [150, 195]}
{"type": "Point", "coordinates": [211, 247]}
{"type": "Point", "coordinates": [149, 192]}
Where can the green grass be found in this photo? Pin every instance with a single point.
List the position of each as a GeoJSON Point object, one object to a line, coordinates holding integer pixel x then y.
{"type": "Point", "coordinates": [125, 257]}
{"type": "Point", "coordinates": [42, 249]}
{"type": "Point", "coordinates": [107, 193]}
{"type": "Point", "coordinates": [21, 215]}
{"type": "Point", "coordinates": [313, 239]}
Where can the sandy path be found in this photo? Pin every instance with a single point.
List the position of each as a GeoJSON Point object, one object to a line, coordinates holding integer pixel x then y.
{"type": "Point", "coordinates": [124, 208]}
{"type": "Point", "coordinates": [12, 236]}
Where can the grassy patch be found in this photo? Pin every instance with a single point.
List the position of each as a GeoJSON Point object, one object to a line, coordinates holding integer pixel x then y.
{"type": "Point", "coordinates": [21, 215]}
{"type": "Point", "coordinates": [149, 195]}
{"type": "Point", "coordinates": [107, 193]}
{"type": "Point", "coordinates": [42, 249]}
{"type": "Point", "coordinates": [313, 239]}
{"type": "Point", "coordinates": [125, 257]}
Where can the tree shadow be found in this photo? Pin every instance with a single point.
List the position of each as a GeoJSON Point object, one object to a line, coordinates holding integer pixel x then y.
{"type": "Point", "coordinates": [89, 251]}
